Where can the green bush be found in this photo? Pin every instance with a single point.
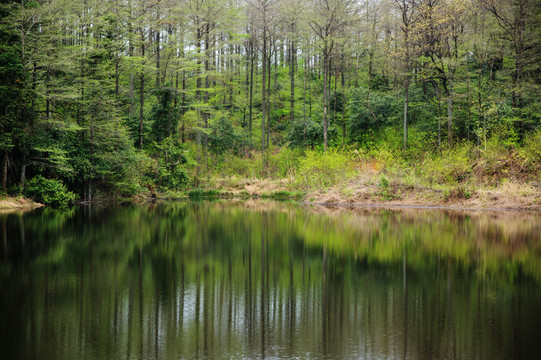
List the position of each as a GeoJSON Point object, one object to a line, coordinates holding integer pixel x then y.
{"type": "Point", "coordinates": [318, 170]}
{"type": "Point", "coordinates": [309, 134]}
{"type": "Point", "coordinates": [49, 191]}
{"type": "Point", "coordinates": [531, 152]}
{"type": "Point", "coordinates": [363, 119]}
{"type": "Point", "coordinates": [452, 166]}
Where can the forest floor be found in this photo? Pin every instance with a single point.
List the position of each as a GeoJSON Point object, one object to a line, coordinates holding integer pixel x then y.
{"type": "Point", "coordinates": [363, 191]}
{"type": "Point", "coordinates": [10, 204]}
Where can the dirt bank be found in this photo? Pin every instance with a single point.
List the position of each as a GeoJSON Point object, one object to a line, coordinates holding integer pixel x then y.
{"type": "Point", "coordinates": [357, 192]}
{"type": "Point", "coordinates": [10, 204]}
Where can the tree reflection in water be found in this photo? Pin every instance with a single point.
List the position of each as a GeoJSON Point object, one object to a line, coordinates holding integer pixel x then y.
{"type": "Point", "coordinates": [262, 279]}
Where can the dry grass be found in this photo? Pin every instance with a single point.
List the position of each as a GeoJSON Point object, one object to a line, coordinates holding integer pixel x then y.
{"type": "Point", "coordinates": [11, 204]}
{"type": "Point", "coordinates": [507, 196]}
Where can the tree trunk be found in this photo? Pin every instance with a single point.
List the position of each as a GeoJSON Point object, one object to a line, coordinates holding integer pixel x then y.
{"type": "Point", "coordinates": [269, 97]}
{"type": "Point", "coordinates": [251, 87]}
{"type": "Point", "coordinates": [344, 108]}
{"type": "Point", "coordinates": [5, 171]}
{"type": "Point", "coordinates": [263, 90]}
{"type": "Point", "coordinates": [183, 104]}
{"type": "Point", "coordinates": [406, 101]}
{"type": "Point", "coordinates": [450, 114]}
{"type": "Point", "coordinates": [325, 93]}
{"type": "Point", "coordinates": [23, 172]}
{"type": "Point", "coordinates": [304, 100]}
{"type": "Point", "coordinates": [142, 93]}
{"type": "Point", "coordinates": [158, 45]}
{"type": "Point", "coordinates": [293, 60]}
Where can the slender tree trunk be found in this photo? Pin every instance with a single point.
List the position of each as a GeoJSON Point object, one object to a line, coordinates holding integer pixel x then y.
{"type": "Point", "coordinates": [47, 99]}
{"type": "Point", "coordinates": [141, 107]}
{"type": "Point", "coordinates": [344, 108]}
{"type": "Point", "coordinates": [34, 67]}
{"type": "Point", "coordinates": [437, 92]}
{"type": "Point", "coordinates": [263, 90]}
{"type": "Point", "coordinates": [304, 100]}
{"type": "Point", "coordinates": [269, 97]}
{"type": "Point", "coordinates": [325, 93]}
{"type": "Point", "coordinates": [158, 44]}
{"type": "Point", "coordinates": [292, 75]}
{"type": "Point", "coordinates": [183, 104]}
{"type": "Point", "coordinates": [251, 101]}
{"type": "Point", "coordinates": [130, 55]}
{"type": "Point", "coordinates": [406, 101]}
{"type": "Point", "coordinates": [198, 93]}
{"type": "Point", "coordinates": [5, 171]}
{"type": "Point", "coordinates": [142, 92]}
{"type": "Point", "coordinates": [450, 114]}
{"type": "Point", "coordinates": [23, 172]}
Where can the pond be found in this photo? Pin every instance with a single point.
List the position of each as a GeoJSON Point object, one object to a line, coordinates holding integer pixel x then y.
{"type": "Point", "coordinates": [262, 279]}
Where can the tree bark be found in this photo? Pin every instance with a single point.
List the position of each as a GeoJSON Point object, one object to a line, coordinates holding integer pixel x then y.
{"type": "Point", "coordinates": [5, 171]}
{"type": "Point", "coordinates": [293, 60]}
{"type": "Point", "coordinates": [251, 87]}
{"type": "Point", "coordinates": [142, 93]}
{"type": "Point", "coordinates": [325, 93]}
{"type": "Point", "coordinates": [263, 90]}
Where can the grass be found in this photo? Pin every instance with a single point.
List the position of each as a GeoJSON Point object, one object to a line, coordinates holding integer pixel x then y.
{"type": "Point", "coordinates": [495, 175]}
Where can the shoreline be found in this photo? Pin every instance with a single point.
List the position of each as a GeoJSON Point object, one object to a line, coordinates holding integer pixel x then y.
{"type": "Point", "coordinates": [355, 195]}
{"type": "Point", "coordinates": [10, 204]}
{"type": "Point", "coordinates": [368, 197]}
{"type": "Point", "coordinates": [422, 207]}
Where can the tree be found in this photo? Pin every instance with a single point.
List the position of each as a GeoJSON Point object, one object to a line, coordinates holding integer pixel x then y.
{"type": "Point", "coordinates": [328, 18]}
{"type": "Point", "coordinates": [409, 16]}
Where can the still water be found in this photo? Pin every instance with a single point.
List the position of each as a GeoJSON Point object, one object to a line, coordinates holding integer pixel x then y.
{"type": "Point", "coordinates": [256, 279]}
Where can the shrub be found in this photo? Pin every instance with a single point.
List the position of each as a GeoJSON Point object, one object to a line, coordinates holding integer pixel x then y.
{"type": "Point", "coordinates": [323, 169]}
{"type": "Point", "coordinates": [452, 166]}
{"type": "Point", "coordinates": [50, 191]}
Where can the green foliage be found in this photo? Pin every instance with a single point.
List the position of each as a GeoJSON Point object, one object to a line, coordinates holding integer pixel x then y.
{"type": "Point", "coordinates": [531, 152]}
{"type": "Point", "coordinates": [386, 192]}
{"type": "Point", "coordinates": [164, 118]}
{"type": "Point", "coordinates": [171, 170]}
{"type": "Point", "coordinates": [71, 100]}
{"type": "Point", "coordinates": [201, 193]}
{"type": "Point", "coordinates": [319, 170]}
{"type": "Point", "coordinates": [308, 135]}
{"type": "Point", "coordinates": [458, 192]}
{"type": "Point", "coordinates": [370, 115]}
{"type": "Point", "coordinates": [223, 137]}
{"type": "Point", "coordinates": [49, 191]}
{"type": "Point", "coordinates": [451, 166]}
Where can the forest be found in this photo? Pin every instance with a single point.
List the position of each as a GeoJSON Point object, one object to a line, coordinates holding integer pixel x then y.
{"type": "Point", "coordinates": [132, 98]}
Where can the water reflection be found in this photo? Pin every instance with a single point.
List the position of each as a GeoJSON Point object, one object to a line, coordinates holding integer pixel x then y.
{"type": "Point", "coordinates": [268, 280]}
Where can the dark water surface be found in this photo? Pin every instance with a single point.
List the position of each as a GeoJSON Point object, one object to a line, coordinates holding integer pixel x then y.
{"type": "Point", "coordinates": [232, 280]}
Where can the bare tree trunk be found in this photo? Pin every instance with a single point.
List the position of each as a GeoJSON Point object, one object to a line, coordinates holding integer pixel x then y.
{"type": "Point", "coordinates": [23, 172]}
{"type": "Point", "coordinates": [263, 90]}
{"type": "Point", "coordinates": [293, 60]}
{"type": "Point", "coordinates": [450, 114]}
{"type": "Point", "coordinates": [304, 100]}
{"type": "Point", "coordinates": [142, 93]}
{"type": "Point", "coordinates": [268, 97]}
{"type": "Point", "coordinates": [251, 86]}
{"type": "Point", "coordinates": [406, 101]}
{"type": "Point", "coordinates": [183, 104]}
{"type": "Point", "coordinates": [325, 93]}
{"type": "Point", "coordinates": [5, 171]}
{"type": "Point", "coordinates": [344, 108]}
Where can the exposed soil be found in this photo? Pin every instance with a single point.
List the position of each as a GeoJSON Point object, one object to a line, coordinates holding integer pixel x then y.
{"type": "Point", "coordinates": [356, 192]}
{"type": "Point", "coordinates": [13, 204]}
{"type": "Point", "coordinates": [497, 199]}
